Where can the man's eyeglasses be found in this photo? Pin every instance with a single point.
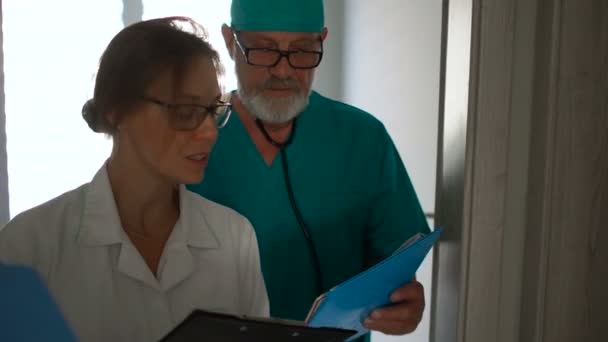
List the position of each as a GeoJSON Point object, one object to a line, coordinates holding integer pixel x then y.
{"type": "Point", "coordinates": [267, 57]}
{"type": "Point", "coordinates": [186, 117]}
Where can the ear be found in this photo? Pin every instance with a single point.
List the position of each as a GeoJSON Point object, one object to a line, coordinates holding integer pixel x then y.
{"type": "Point", "coordinates": [228, 39]}
{"type": "Point", "coordinates": [324, 34]}
{"type": "Point", "coordinates": [112, 119]}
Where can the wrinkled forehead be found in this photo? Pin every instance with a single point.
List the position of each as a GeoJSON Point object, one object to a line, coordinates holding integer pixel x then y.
{"type": "Point", "coordinates": [198, 77]}
{"type": "Point", "coordinates": [297, 16]}
{"type": "Point", "coordinates": [280, 37]}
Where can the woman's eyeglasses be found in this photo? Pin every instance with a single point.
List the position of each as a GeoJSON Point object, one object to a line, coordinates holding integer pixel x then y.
{"type": "Point", "coordinates": [186, 117]}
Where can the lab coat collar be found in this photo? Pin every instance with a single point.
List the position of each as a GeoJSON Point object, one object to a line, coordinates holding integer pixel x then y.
{"type": "Point", "coordinates": [101, 226]}
{"type": "Point", "coordinates": [99, 223]}
{"type": "Point", "coordinates": [191, 230]}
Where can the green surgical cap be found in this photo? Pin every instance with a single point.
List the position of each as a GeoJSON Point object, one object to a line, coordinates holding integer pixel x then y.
{"type": "Point", "coordinates": [278, 15]}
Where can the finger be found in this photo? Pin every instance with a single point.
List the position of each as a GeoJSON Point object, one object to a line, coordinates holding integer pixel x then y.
{"type": "Point", "coordinates": [409, 292]}
{"type": "Point", "coordinates": [400, 312]}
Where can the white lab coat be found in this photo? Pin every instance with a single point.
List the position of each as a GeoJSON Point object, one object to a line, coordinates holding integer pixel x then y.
{"type": "Point", "coordinates": [103, 285]}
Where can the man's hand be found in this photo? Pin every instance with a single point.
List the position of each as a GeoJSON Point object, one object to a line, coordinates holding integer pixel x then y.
{"type": "Point", "coordinates": [404, 315]}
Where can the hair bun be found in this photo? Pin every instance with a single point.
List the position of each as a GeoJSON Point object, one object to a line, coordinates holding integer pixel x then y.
{"type": "Point", "coordinates": [91, 115]}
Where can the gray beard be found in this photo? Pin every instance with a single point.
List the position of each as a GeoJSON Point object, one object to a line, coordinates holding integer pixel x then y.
{"type": "Point", "coordinates": [274, 110]}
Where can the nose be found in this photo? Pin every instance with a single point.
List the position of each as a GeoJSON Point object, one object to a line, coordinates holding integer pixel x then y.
{"type": "Point", "coordinates": [207, 130]}
{"type": "Point", "coordinates": [282, 70]}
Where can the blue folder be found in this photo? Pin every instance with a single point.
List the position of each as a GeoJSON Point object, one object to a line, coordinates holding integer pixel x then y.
{"type": "Point", "coordinates": [347, 305]}
{"type": "Point", "coordinates": [27, 311]}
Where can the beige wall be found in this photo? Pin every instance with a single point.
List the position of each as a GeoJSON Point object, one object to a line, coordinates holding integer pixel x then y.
{"type": "Point", "coordinates": [566, 273]}
{"type": "Point", "coordinates": [526, 258]}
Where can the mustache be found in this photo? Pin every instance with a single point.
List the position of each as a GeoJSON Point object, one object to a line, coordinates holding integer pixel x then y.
{"type": "Point", "coordinates": [274, 82]}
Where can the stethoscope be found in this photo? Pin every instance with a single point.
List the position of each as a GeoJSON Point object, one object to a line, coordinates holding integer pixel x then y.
{"type": "Point", "coordinates": [292, 200]}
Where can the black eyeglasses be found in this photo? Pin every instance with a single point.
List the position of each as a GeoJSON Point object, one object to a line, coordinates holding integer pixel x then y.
{"type": "Point", "coordinates": [267, 57]}
{"type": "Point", "coordinates": [186, 117]}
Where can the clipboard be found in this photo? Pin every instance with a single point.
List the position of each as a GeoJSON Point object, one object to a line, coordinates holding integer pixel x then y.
{"type": "Point", "coordinates": [216, 327]}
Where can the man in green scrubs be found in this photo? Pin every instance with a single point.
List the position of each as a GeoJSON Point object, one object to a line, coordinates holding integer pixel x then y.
{"type": "Point", "coordinates": [350, 192]}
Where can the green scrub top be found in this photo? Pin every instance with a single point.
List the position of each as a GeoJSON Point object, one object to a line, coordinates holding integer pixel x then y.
{"type": "Point", "coordinates": [350, 186]}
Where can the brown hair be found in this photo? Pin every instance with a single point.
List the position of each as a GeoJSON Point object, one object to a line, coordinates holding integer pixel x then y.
{"type": "Point", "coordinates": [133, 59]}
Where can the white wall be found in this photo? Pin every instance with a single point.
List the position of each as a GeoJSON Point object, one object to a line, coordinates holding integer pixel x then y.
{"type": "Point", "coordinates": [50, 148]}
{"type": "Point", "coordinates": [384, 57]}
{"type": "Point", "coordinates": [329, 77]}
{"type": "Point", "coordinates": [60, 136]}
{"type": "Point", "coordinates": [392, 55]}
{"type": "Point", "coordinates": [4, 206]}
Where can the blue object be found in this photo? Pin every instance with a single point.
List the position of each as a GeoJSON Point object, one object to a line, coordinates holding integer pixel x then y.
{"type": "Point", "coordinates": [347, 305]}
{"type": "Point", "coordinates": [27, 311]}
{"type": "Point", "coordinates": [278, 15]}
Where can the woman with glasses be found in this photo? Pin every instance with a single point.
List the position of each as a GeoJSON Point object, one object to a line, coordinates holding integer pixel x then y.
{"type": "Point", "coordinates": [130, 254]}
